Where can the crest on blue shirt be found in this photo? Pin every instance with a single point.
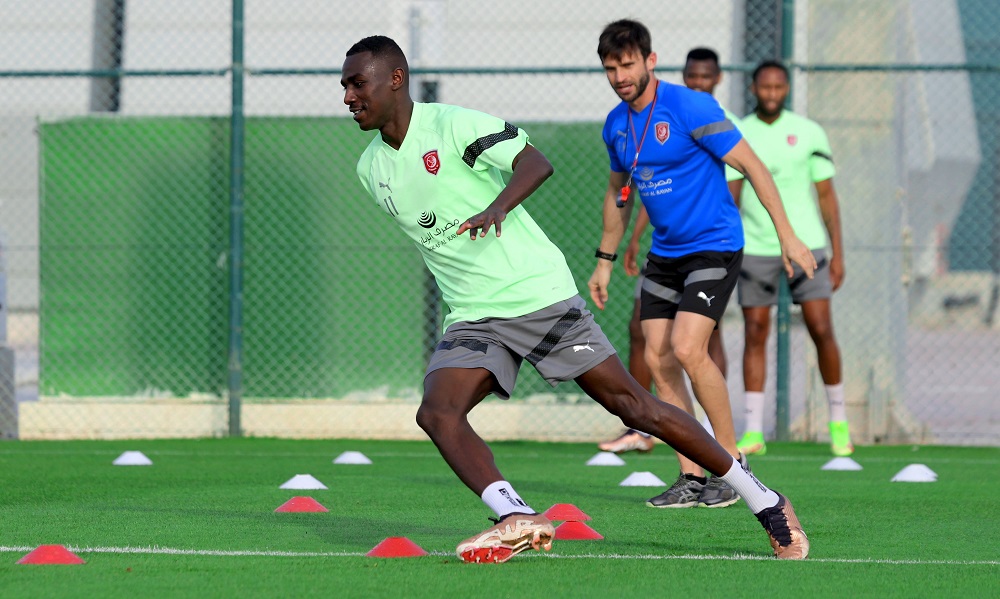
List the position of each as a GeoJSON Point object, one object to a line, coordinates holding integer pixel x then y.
{"type": "Point", "coordinates": [662, 132]}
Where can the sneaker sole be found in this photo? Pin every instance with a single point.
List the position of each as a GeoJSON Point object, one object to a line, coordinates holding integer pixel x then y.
{"type": "Point", "coordinates": [639, 449]}
{"type": "Point", "coordinates": [753, 449]}
{"type": "Point", "coordinates": [674, 505]}
{"type": "Point", "coordinates": [726, 503]}
{"type": "Point", "coordinates": [501, 553]}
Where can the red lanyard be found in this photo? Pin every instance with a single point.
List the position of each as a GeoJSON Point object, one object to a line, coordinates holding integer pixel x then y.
{"type": "Point", "coordinates": [620, 202]}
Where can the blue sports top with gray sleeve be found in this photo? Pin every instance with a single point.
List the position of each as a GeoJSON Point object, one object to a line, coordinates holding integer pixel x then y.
{"type": "Point", "coordinates": [680, 176]}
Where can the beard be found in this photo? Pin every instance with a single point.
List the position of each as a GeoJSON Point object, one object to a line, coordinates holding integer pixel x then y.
{"type": "Point", "coordinates": [640, 86]}
{"type": "Point", "coordinates": [771, 109]}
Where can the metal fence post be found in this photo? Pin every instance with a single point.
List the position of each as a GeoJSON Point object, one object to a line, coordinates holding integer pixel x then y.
{"type": "Point", "coordinates": [108, 52]}
{"type": "Point", "coordinates": [782, 368]}
{"type": "Point", "coordinates": [236, 148]}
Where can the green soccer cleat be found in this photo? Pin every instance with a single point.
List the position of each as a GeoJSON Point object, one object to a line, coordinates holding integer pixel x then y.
{"type": "Point", "coordinates": [752, 444]}
{"type": "Point", "coordinates": [840, 438]}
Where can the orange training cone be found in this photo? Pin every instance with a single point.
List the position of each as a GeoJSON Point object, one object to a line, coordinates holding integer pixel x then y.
{"type": "Point", "coordinates": [566, 512]}
{"type": "Point", "coordinates": [396, 547]}
{"type": "Point", "coordinates": [301, 504]}
{"type": "Point", "coordinates": [577, 531]}
{"type": "Point", "coordinates": [51, 554]}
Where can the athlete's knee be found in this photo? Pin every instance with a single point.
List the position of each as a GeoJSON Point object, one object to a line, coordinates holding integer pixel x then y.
{"type": "Point", "coordinates": [690, 352]}
{"type": "Point", "coordinates": [755, 331]}
{"type": "Point", "coordinates": [621, 397]}
{"type": "Point", "coordinates": [645, 413]}
{"type": "Point", "coordinates": [822, 332]}
{"type": "Point", "coordinates": [433, 416]}
{"type": "Point", "coordinates": [664, 363]}
{"type": "Point", "coordinates": [427, 419]}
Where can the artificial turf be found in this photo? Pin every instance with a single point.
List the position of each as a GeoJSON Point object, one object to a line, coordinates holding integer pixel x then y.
{"type": "Point", "coordinates": [200, 522]}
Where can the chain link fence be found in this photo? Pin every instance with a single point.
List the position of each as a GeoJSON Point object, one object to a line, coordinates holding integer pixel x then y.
{"type": "Point", "coordinates": [122, 316]}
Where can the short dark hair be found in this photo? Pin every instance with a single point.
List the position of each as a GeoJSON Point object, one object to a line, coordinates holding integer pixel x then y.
{"type": "Point", "coordinates": [702, 53]}
{"type": "Point", "coordinates": [623, 36]}
{"type": "Point", "coordinates": [770, 64]}
{"type": "Point", "coordinates": [382, 48]}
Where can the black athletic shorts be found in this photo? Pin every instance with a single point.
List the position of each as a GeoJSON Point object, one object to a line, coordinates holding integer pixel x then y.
{"type": "Point", "coordinates": [700, 282]}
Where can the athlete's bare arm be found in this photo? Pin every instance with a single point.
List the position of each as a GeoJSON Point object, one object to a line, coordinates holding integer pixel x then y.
{"type": "Point", "coordinates": [632, 251]}
{"type": "Point", "coordinates": [530, 169]}
{"type": "Point", "coordinates": [736, 190]}
{"type": "Point", "coordinates": [829, 208]}
{"type": "Point", "coordinates": [743, 159]}
{"type": "Point", "coordinates": [615, 222]}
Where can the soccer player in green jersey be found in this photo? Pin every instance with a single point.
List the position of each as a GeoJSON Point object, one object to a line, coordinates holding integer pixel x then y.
{"type": "Point", "coordinates": [797, 152]}
{"type": "Point", "coordinates": [701, 72]}
{"type": "Point", "coordinates": [435, 171]}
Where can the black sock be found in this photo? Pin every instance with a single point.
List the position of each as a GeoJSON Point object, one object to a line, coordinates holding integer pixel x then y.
{"type": "Point", "coordinates": [700, 479]}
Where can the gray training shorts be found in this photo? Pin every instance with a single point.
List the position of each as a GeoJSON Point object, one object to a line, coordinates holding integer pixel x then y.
{"type": "Point", "coordinates": [760, 275]}
{"type": "Point", "coordinates": [561, 341]}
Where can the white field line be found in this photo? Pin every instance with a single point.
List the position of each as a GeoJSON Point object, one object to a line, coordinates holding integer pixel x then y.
{"type": "Point", "coordinates": [596, 556]}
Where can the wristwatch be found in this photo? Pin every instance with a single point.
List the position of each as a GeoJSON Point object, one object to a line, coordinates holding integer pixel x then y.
{"type": "Point", "coordinates": [605, 255]}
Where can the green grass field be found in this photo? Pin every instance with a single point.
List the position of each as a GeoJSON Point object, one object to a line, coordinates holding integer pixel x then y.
{"type": "Point", "coordinates": [200, 522]}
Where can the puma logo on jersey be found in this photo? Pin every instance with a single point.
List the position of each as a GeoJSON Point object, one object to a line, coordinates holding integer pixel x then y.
{"type": "Point", "coordinates": [708, 300]}
{"type": "Point", "coordinates": [577, 348]}
{"type": "Point", "coordinates": [385, 185]}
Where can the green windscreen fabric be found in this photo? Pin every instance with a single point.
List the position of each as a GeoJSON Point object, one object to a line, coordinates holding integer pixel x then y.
{"type": "Point", "coordinates": [133, 222]}
{"type": "Point", "coordinates": [135, 259]}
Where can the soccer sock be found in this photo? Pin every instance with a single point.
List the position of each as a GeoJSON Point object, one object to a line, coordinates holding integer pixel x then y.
{"type": "Point", "coordinates": [835, 397]}
{"type": "Point", "coordinates": [503, 499]}
{"type": "Point", "coordinates": [707, 425]}
{"type": "Point", "coordinates": [698, 479]}
{"type": "Point", "coordinates": [754, 412]}
{"type": "Point", "coordinates": [757, 496]}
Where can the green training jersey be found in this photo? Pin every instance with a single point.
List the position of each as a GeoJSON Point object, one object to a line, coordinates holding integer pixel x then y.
{"type": "Point", "coordinates": [797, 152]}
{"type": "Point", "coordinates": [448, 169]}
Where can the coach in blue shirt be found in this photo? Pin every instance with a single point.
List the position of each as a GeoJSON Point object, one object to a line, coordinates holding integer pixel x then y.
{"type": "Point", "coordinates": [667, 147]}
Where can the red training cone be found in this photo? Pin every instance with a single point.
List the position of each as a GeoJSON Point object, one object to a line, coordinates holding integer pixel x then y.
{"type": "Point", "coordinates": [51, 554]}
{"type": "Point", "coordinates": [396, 547]}
{"type": "Point", "coordinates": [566, 512]}
{"type": "Point", "coordinates": [301, 504]}
{"type": "Point", "coordinates": [577, 531]}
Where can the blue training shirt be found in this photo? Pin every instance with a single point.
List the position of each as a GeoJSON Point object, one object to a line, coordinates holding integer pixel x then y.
{"type": "Point", "coordinates": [680, 176]}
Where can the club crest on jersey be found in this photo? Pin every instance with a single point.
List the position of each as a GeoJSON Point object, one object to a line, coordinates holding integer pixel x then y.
{"type": "Point", "coordinates": [662, 132]}
{"type": "Point", "coordinates": [792, 140]}
{"type": "Point", "coordinates": [431, 162]}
